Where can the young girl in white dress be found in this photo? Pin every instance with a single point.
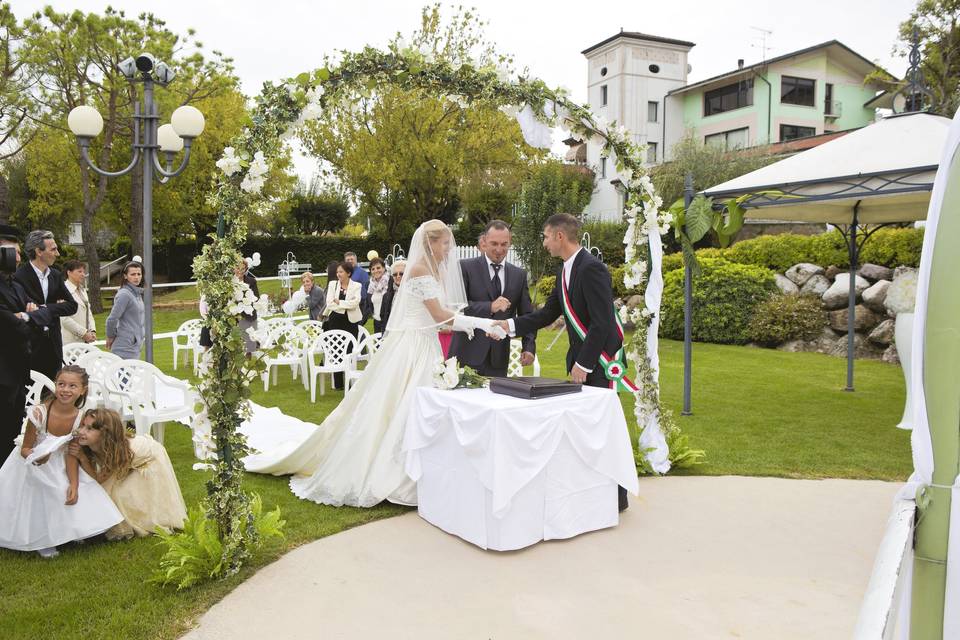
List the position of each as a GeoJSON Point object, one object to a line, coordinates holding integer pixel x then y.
{"type": "Point", "coordinates": [134, 470]}
{"type": "Point", "coordinates": [45, 498]}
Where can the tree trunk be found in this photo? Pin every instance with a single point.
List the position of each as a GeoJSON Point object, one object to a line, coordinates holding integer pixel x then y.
{"type": "Point", "coordinates": [4, 200]}
{"type": "Point", "coordinates": [136, 210]}
{"type": "Point", "coordinates": [93, 260]}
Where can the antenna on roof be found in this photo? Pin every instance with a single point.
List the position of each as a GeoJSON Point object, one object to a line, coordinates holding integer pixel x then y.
{"type": "Point", "coordinates": [762, 35]}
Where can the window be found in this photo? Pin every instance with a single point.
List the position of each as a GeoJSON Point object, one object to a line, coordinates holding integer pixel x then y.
{"type": "Point", "coordinates": [729, 140]}
{"type": "Point", "coordinates": [797, 90]}
{"type": "Point", "coordinates": [651, 153]}
{"type": "Point", "coordinates": [603, 167]}
{"type": "Point", "coordinates": [793, 132]}
{"type": "Point", "coordinates": [652, 109]}
{"type": "Point", "coordinates": [732, 96]}
{"type": "Point", "coordinates": [603, 95]}
{"type": "Point", "coordinates": [828, 99]}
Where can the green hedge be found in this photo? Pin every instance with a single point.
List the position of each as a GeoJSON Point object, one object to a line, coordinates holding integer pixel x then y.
{"type": "Point", "coordinates": [782, 318]}
{"type": "Point", "coordinates": [887, 247]}
{"type": "Point", "coordinates": [724, 298]}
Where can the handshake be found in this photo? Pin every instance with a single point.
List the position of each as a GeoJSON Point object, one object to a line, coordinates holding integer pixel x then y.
{"type": "Point", "coordinates": [495, 329]}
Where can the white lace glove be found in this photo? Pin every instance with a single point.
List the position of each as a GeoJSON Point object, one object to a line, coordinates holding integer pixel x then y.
{"type": "Point", "coordinates": [467, 324]}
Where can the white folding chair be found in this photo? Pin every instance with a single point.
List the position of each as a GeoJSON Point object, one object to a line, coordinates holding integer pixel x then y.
{"type": "Point", "coordinates": [367, 347]}
{"type": "Point", "coordinates": [334, 346]}
{"type": "Point", "coordinates": [514, 368]}
{"type": "Point", "coordinates": [291, 352]}
{"type": "Point", "coordinates": [151, 396]}
{"type": "Point", "coordinates": [96, 363]}
{"type": "Point", "coordinates": [72, 351]}
{"type": "Point", "coordinates": [187, 338]}
{"type": "Point", "coordinates": [362, 336]}
{"type": "Point", "coordinates": [313, 329]}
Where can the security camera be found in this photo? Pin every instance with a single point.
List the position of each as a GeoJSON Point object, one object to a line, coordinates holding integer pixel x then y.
{"type": "Point", "coordinates": [145, 62]}
{"type": "Point", "coordinates": [128, 68]}
{"type": "Point", "coordinates": [163, 73]}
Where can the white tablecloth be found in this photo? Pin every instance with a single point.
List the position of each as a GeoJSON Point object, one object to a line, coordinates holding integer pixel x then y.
{"type": "Point", "coordinates": [504, 473]}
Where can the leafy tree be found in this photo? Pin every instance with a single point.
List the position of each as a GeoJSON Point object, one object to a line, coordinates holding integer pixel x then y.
{"type": "Point", "coordinates": [319, 211]}
{"type": "Point", "coordinates": [15, 108]}
{"type": "Point", "coordinates": [552, 188]}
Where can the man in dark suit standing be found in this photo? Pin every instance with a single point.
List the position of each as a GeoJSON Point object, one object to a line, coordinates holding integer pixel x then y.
{"type": "Point", "coordinates": [44, 287]}
{"type": "Point", "coordinates": [583, 283]}
{"type": "Point", "coordinates": [495, 289]}
{"type": "Point", "coordinates": [14, 342]}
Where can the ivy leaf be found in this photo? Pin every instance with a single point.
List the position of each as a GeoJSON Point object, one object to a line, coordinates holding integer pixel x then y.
{"type": "Point", "coordinates": [322, 74]}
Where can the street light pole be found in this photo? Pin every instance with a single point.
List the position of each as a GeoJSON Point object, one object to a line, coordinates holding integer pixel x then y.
{"type": "Point", "coordinates": [186, 124]}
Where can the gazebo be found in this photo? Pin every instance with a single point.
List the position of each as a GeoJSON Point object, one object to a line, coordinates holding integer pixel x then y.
{"type": "Point", "coordinates": [872, 177]}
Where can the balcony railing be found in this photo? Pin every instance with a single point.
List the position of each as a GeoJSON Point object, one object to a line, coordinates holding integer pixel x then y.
{"type": "Point", "coordinates": [833, 109]}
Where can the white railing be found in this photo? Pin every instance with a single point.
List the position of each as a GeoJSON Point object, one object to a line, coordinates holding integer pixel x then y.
{"type": "Point", "coordinates": [878, 614]}
{"type": "Point", "coordinates": [107, 270]}
{"type": "Point", "coordinates": [473, 252]}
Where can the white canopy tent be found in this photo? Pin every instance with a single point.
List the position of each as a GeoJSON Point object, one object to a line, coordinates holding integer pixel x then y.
{"type": "Point", "coordinates": [877, 175]}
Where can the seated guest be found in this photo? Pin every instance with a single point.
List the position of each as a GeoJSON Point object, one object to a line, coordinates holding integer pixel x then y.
{"type": "Point", "coordinates": [377, 288]}
{"type": "Point", "coordinates": [309, 295]}
{"type": "Point", "coordinates": [81, 326]}
{"type": "Point", "coordinates": [134, 470]}
{"type": "Point", "coordinates": [125, 322]}
{"type": "Point", "coordinates": [343, 308]}
{"type": "Point", "coordinates": [396, 276]}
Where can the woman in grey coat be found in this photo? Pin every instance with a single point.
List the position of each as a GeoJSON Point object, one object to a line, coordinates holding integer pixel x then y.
{"type": "Point", "coordinates": [125, 322]}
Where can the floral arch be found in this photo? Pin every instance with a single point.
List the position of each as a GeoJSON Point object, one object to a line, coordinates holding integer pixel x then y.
{"type": "Point", "coordinates": [278, 113]}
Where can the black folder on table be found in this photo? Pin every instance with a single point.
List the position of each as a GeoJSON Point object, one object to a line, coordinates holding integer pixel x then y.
{"type": "Point", "coordinates": [532, 387]}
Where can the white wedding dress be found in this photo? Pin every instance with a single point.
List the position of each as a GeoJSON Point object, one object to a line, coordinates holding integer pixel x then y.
{"type": "Point", "coordinates": [354, 457]}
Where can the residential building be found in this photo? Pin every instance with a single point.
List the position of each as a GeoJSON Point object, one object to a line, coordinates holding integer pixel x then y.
{"type": "Point", "coordinates": [815, 91]}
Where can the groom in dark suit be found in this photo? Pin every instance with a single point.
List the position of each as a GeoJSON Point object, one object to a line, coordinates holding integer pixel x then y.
{"type": "Point", "coordinates": [14, 342]}
{"type": "Point", "coordinates": [495, 289]}
{"type": "Point", "coordinates": [585, 282]}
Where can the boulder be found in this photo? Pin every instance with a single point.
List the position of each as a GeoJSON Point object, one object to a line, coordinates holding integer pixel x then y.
{"type": "Point", "coordinates": [786, 285]}
{"type": "Point", "coordinates": [875, 272]}
{"type": "Point", "coordinates": [815, 286]}
{"type": "Point", "coordinates": [862, 349]}
{"type": "Point", "coordinates": [882, 334]}
{"type": "Point", "coordinates": [901, 270]}
{"type": "Point", "coordinates": [864, 319]}
{"type": "Point", "coordinates": [800, 273]}
{"type": "Point", "coordinates": [635, 301]}
{"type": "Point", "coordinates": [875, 296]}
{"type": "Point", "coordinates": [836, 296]}
{"type": "Point", "coordinates": [794, 346]}
{"type": "Point", "coordinates": [890, 356]}
{"type": "Point", "coordinates": [832, 271]}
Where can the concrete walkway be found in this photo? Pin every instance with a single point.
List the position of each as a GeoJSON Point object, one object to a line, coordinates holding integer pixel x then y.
{"type": "Point", "coordinates": [693, 557]}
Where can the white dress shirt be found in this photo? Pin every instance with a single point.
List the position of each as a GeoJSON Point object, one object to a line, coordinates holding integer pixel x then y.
{"type": "Point", "coordinates": [503, 274]}
{"type": "Point", "coordinates": [42, 276]}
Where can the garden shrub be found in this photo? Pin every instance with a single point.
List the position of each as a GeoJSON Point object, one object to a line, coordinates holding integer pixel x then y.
{"type": "Point", "coordinates": [608, 237]}
{"type": "Point", "coordinates": [545, 287]}
{"type": "Point", "coordinates": [783, 317]}
{"type": "Point", "coordinates": [724, 298]}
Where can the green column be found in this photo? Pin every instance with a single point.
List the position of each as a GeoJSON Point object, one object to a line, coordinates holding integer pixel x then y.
{"type": "Point", "coordinates": [941, 376]}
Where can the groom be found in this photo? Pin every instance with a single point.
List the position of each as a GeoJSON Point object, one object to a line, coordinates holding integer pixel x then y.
{"type": "Point", "coordinates": [495, 289]}
{"type": "Point", "coordinates": [585, 283]}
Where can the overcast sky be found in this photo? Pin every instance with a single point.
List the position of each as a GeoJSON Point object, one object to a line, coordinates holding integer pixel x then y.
{"type": "Point", "coordinates": [280, 38]}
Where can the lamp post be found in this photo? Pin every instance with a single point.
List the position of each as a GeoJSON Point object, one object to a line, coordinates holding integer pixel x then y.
{"type": "Point", "coordinates": [149, 140]}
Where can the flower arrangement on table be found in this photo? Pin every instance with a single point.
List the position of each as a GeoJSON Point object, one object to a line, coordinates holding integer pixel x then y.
{"type": "Point", "coordinates": [450, 375]}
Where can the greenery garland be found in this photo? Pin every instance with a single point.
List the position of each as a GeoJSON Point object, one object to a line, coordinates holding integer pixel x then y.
{"type": "Point", "coordinates": [279, 112]}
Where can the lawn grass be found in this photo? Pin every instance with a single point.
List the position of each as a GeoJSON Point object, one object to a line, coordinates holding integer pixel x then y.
{"type": "Point", "coordinates": [756, 412]}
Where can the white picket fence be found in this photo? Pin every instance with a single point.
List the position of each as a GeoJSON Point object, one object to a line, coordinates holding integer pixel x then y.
{"type": "Point", "coordinates": [473, 252]}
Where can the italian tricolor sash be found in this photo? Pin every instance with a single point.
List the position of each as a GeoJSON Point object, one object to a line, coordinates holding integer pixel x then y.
{"type": "Point", "coordinates": [614, 367]}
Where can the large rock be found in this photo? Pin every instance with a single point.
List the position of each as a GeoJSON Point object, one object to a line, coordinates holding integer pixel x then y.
{"type": "Point", "coordinates": [800, 273]}
{"type": "Point", "coordinates": [836, 297]}
{"type": "Point", "coordinates": [862, 349]}
{"type": "Point", "coordinates": [890, 356]}
{"type": "Point", "coordinates": [832, 272]}
{"type": "Point", "coordinates": [876, 272]}
{"type": "Point", "coordinates": [864, 319]}
{"type": "Point", "coordinates": [635, 301]}
{"type": "Point", "coordinates": [815, 286]}
{"type": "Point", "coordinates": [875, 296]}
{"type": "Point", "coordinates": [901, 270]}
{"type": "Point", "coordinates": [882, 334]}
{"type": "Point", "coordinates": [786, 285]}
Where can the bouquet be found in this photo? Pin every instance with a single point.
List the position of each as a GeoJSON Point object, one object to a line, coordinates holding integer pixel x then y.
{"type": "Point", "coordinates": [450, 375]}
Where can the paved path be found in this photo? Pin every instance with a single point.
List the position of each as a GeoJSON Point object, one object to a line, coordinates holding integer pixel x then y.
{"type": "Point", "coordinates": [693, 557]}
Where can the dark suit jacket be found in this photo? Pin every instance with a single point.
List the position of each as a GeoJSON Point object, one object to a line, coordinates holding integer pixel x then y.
{"type": "Point", "coordinates": [480, 297]}
{"type": "Point", "coordinates": [14, 335]}
{"type": "Point", "coordinates": [46, 342]}
{"type": "Point", "coordinates": [591, 296]}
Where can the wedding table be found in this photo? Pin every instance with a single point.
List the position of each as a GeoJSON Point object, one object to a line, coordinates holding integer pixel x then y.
{"type": "Point", "coordinates": [504, 473]}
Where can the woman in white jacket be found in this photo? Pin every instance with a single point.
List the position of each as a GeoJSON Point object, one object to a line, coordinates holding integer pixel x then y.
{"type": "Point", "coordinates": [343, 308]}
{"type": "Point", "coordinates": [81, 326]}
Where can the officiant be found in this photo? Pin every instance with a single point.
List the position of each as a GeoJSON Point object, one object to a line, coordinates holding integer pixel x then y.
{"type": "Point", "coordinates": [495, 289]}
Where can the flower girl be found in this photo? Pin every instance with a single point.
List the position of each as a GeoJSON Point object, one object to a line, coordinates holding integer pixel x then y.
{"type": "Point", "coordinates": [45, 498]}
{"type": "Point", "coordinates": [134, 470]}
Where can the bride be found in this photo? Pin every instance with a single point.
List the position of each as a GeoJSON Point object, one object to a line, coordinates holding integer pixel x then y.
{"type": "Point", "coordinates": [354, 457]}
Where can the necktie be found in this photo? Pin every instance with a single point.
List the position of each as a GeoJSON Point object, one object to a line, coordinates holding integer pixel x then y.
{"type": "Point", "coordinates": [497, 285]}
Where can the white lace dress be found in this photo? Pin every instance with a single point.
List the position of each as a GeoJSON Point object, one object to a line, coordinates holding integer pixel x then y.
{"type": "Point", "coordinates": [33, 513]}
{"type": "Point", "coordinates": [354, 457]}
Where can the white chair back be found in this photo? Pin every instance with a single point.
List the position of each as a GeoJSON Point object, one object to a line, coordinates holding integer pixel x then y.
{"type": "Point", "coordinates": [313, 328]}
{"type": "Point", "coordinates": [335, 345]}
{"type": "Point", "coordinates": [96, 363]}
{"type": "Point", "coordinates": [72, 351]}
{"type": "Point", "coordinates": [270, 326]}
{"type": "Point", "coordinates": [35, 392]}
{"type": "Point", "coordinates": [514, 368]}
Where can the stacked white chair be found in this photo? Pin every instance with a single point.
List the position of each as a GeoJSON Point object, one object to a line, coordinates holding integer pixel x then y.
{"type": "Point", "coordinates": [149, 395]}
{"type": "Point", "coordinates": [514, 368]}
{"type": "Point", "coordinates": [72, 351]}
{"type": "Point", "coordinates": [334, 347]}
{"type": "Point", "coordinates": [187, 338]}
{"type": "Point", "coordinates": [367, 347]}
{"type": "Point", "coordinates": [96, 363]}
{"type": "Point", "coordinates": [291, 352]}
